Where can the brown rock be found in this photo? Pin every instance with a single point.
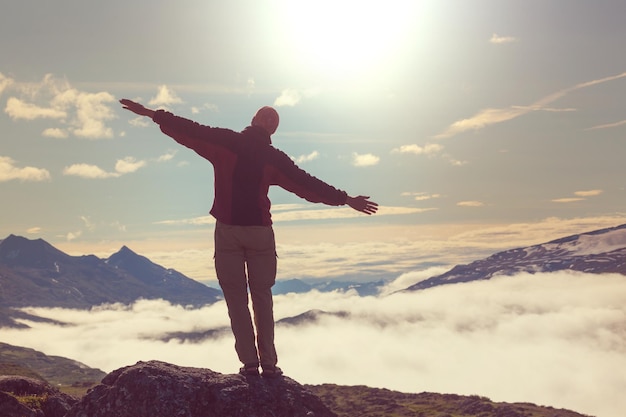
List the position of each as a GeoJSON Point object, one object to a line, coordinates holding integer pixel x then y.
{"type": "Point", "coordinates": [158, 389]}
{"type": "Point", "coordinates": [11, 407]}
{"type": "Point", "coordinates": [46, 400]}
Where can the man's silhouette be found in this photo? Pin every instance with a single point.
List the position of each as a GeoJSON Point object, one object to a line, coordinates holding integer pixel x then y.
{"type": "Point", "coordinates": [246, 165]}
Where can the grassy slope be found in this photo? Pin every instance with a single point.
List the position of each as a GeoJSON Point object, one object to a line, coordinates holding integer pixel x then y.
{"type": "Point", "coordinates": [373, 402]}
{"type": "Point", "coordinates": [58, 371]}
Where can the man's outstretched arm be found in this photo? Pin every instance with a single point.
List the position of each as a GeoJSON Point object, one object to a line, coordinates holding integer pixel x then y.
{"type": "Point", "coordinates": [137, 108]}
{"type": "Point", "coordinates": [362, 204]}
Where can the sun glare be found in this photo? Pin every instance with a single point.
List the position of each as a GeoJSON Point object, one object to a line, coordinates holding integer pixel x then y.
{"type": "Point", "coordinates": [344, 36]}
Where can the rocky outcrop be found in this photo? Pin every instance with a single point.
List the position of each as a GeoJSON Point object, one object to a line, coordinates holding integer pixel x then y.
{"type": "Point", "coordinates": [158, 389]}
{"type": "Point", "coordinates": [39, 399]}
{"type": "Point", "coordinates": [11, 407]}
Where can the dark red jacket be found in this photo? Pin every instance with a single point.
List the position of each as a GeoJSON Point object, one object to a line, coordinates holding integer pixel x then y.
{"type": "Point", "coordinates": [245, 166]}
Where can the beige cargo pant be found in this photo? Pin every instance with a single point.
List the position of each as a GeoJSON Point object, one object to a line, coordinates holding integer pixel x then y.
{"type": "Point", "coordinates": [245, 257]}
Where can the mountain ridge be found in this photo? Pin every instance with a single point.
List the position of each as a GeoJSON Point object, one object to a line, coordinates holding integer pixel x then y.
{"type": "Point", "coordinates": [598, 251]}
{"type": "Point", "coordinates": [35, 274]}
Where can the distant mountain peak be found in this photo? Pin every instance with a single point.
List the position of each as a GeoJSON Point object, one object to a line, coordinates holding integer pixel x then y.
{"type": "Point", "coordinates": [18, 250]}
{"type": "Point", "coordinates": [126, 249]}
{"type": "Point", "coordinates": [34, 273]}
{"type": "Point", "coordinates": [125, 257]}
{"type": "Point", "coordinates": [596, 252]}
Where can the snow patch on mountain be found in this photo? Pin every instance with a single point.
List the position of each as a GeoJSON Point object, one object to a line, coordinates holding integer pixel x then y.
{"type": "Point", "coordinates": [597, 244]}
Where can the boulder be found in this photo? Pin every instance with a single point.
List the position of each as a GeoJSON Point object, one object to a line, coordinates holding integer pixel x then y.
{"type": "Point", "coordinates": [43, 399]}
{"type": "Point", "coordinates": [159, 389]}
{"type": "Point", "coordinates": [11, 407]}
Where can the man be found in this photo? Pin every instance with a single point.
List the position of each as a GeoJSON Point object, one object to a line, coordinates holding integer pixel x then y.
{"type": "Point", "coordinates": [245, 165]}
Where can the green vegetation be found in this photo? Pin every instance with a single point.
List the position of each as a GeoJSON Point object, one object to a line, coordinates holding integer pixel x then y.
{"type": "Point", "coordinates": [34, 402]}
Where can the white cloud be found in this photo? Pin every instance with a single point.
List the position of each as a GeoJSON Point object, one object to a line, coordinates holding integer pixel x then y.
{"type": "Point", "coordinates": [165, 97]}
{"type": "Point", "coordinates": [118, 226]}
{"type": "Point", "coordinates": [128, 165]}
{"type": "Point", "coordinates": [428, 149]}
{"type": "Point", "coordinates": [167, 156]}
{"type": "Point", "coordinates": [364, 160]}
{"type": "Point", "coordinates": [290, 206]}
{"type": "Point", "coordinates": [482, 119]}
{"type": "Point", "coordinates": [5, 82]}
{"type": "Point", "coordinates": [88, 171]}
{"type": "Point", "coordinates": [588, 193]}
{"type": "Point", "coordinates": [34, 230]}
{"type": "Point", "coordinates": [470, 203]}
{"type": "Point", "coordinates": [122, 166]}
{"type": "Point", "coordinates": [338, 213]}
{"type": "Point", "coordinates": [140, 121]}
{"type": "Point", "coordinates": [608, 125]}
{"type": "Point", "coordinates": [89, 225]}
{"type": "Point", "coordinates": [502, 39]}
{"type": "Point", "coordinates": [9, 171]}
{"type": "Point", "coordinates": [85, 114]}
{"type": "Point", "coordinates": [206, 106]}
{"type": "Point", "coordinates": [288, 97]}
{"type": "Point", "coordinates": [73, 235]}
{"type": "Point", "coordinates": [54, 132]}
{"type": "Point", "coordinates": [19, 109]}
{"type": "Point", "coordinates": [551, 346]}
{"type": "Point", "coordinates": [91, 114]}
{"type": "Point", "coordinates": [306, 158]}
{"type": "Point", "coordinates": [546, 109]}
{"type": "Point", "coordinates": [490, 116]}
{"type": "Point", "coordinates": [421, 196]}
{"type": "Point", "coordinates": [567, 200]}
{"type": "Point", "coordinates": [580, 196]}
{"type": "Point", "coordinates": [407, 279]}
{"type": "Point", "coordinates": [195, 221]}
{"type": "Point", "coordinates": [282, 213]}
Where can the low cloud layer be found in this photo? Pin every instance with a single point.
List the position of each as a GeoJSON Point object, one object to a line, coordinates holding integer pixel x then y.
{"type": "Point", "coordinates": [551, 339]}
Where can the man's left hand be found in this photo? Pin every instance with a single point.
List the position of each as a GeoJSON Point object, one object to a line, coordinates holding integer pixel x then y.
{"type": "Point", "coordinates": [362, 204]}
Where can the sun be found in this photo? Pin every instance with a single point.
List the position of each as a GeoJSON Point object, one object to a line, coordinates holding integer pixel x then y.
{"type": "Point", "coordinates": [345, 36]}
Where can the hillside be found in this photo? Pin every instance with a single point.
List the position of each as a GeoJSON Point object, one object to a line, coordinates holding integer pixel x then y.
{"type": "Point", "coordinates": [596, 252]}
{"type": "Point", "coordinates": [34, 273]}
{"type": "Point", "coordinates": [58, 371]}
{"type": "Point", "coordinates": [345, 401]}
{"type": "Point", "coordinates": [350, 401]}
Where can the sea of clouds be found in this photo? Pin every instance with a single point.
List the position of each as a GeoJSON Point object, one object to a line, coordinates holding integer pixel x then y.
{"type": "Point", "coordinates": [554, 339]}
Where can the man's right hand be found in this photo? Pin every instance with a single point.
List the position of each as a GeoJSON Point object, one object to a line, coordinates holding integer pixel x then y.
{"type": "Point", "coordinates": [137, 108]}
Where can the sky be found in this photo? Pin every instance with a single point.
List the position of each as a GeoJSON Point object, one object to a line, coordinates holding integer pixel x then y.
{"type": "Point", "coordinates": [476, 126]}
{"type": "Point", "coordinates": [550, 339]}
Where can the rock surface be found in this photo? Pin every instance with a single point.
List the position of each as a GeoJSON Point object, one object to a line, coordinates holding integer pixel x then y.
{"type": "Point", "coordinates": [158, 389]}
{"type": "Point", "coordinates": [44, 400]}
